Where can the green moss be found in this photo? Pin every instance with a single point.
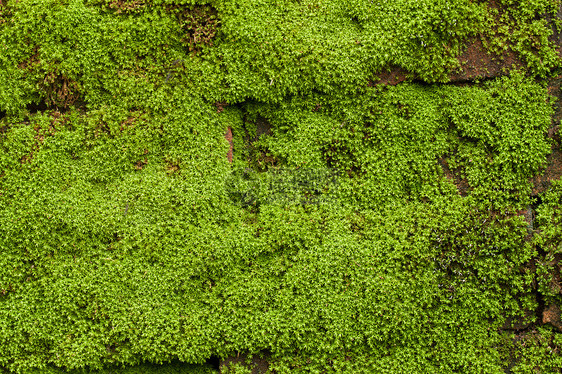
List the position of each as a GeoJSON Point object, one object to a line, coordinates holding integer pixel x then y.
{"type": "Point", "coordinates": [549, 240]}
{"type": "Point", "coordinates": [536, 350]}
{"type": "Point", "coordinates": [374, 229]}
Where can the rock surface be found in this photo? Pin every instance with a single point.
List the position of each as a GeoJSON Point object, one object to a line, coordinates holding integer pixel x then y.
{"type": "Point", "coordinates": [551, 315]}
{"type": "Point", "coordinates": [257, 364]}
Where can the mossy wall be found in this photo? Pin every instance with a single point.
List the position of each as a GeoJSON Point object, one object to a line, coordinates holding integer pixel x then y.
{"type": "Point", "coordinates": [364, 224]}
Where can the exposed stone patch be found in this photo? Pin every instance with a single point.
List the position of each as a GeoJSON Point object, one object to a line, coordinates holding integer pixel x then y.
{"type": "Point", "coordinates": [556, 36]}
{"type": "Point", "coordinates": [257, 364]}
{"type": "Point", "coordinates": [519, 322]}
{"type": "Point", "coordinates": [552, 172]}
{"type": "Point", "coordinates": [263, 127]}
{"type": "Point", "coordinates": [551, 315]}
{"type": "Point", "coordinates": [478, 63]}
{"type": "Point", "coordinates": [390, 77]}
{"type": "Point", "coordinates": [453, 176]}
{"type": "Point", "coordinates": [220, 105]}
{"type": "Point", "coordinates": [60, 91]}
{"type": "Point", "coordinates": [228, 137]}
{"type": "Point", "coordinates": [199, 23]}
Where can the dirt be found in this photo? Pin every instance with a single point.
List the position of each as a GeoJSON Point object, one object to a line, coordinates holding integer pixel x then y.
{"type": "Point", "coordinates": [58, 121]}
{"type": "Point", "coordinates": [60, 91]}
{"type": "Point", "coordinates": [199, 24]}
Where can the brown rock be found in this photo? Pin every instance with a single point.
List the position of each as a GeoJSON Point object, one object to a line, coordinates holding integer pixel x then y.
{"type": "Point", "coordinates": [556, 36]}
{"type": "Point", "coordinates": [263, 127]}
{"type": "Point", "coordinates": [478, 63]}
{"type": "Point", "coordinates": [518, 322]}
{"type": "Point", "coordinates": [475, 63]}
{"type": "Point", "coordinates": [553, 169]}
{"type": "Point", "coordinates": [258, 364]}
{"type": "Point", "coordinates": [555, 267]}
{"type": "Point", "coordinates": [552, 172]}
{"type": "Point", "coordinates": [454, 176]}
{"type": "Point", "coordinates": [551, 315]}
{"type": "Point", "coordinates": [228, 137]}
{"type": "Point", "coordinates": [220, 105]}
{"type": "Point", "coordinates": [391, 77]}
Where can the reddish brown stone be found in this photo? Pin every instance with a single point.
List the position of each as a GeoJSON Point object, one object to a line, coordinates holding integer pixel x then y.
{"type": "Point", "coordinates": [551, 315]}
{"type": "Point", "coordinates": [552, 172]}
{"type": "Point", "coordinates": [519, 323]}
{"type": "Point", "coordinates": [263, 127]}
{"type": "Point", "coordinates": [258, 364]}
{"type": "Point", "coordinates": [475, 63]}
{"type": "Point", "coordinates": [220, 105]}
{"type": "Point", "coordinates": [454, 176]}
{"type": "Point", "coordinates": [555, 267]}
{"type": "Point", "coordinates": [553, 169]}
{"type": "Point", "coordinates": [228, 137]}
{"type": "Point", "coordinates": [478, 63]}
{"type": "Point", "coordinates": [390, 77]}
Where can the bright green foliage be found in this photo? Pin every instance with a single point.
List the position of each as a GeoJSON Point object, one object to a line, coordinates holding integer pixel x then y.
{"type": "Point", "coordinates": [388, 141]}
{"type": "Point", "coordinates": [549, 220]}
{"type": "Point", "coordinates": [537, 351]}
{"type": "Point", "coordinates": [175, 368]}
{"type": "Point", "coordinates": [518, 28]}
{"type": "Point", "coordinates": [340, 242]}
{"type": "Point", "coordinates": [500, 132]}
